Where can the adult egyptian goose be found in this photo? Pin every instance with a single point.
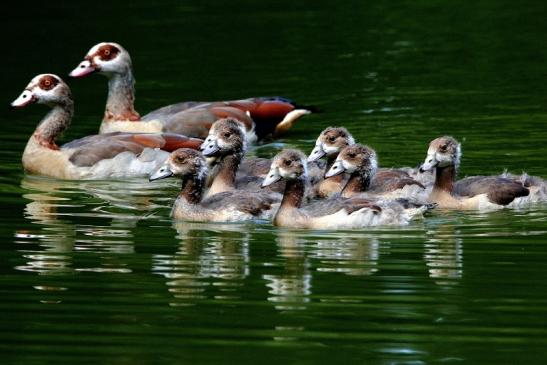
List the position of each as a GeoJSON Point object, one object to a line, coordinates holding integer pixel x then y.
{"type": "Point", "coordinates": [262, 117]}
{"type": "Point", "coordinates": [229, 206]}
{"type": "Point", "coordinates": [92, 157]}
{"type": "Point", "coordinates": [334, 213]}
{"type": "Point", "coordinates": [361, 164]}
{"type": "Point", "coordinates": [474, 192]}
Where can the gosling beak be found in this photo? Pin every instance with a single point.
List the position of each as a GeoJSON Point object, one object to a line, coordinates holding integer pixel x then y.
{"type": "Point", "coordinates": [209, 147]}
{"type": "Point", "coordinates": [83, 69]}
{"type": "Point", "coordinates": [26, 98]}
{"type": "Point", "coordinates": [336, 169]}
{"type": "Point", "coordinates": [429, 164]}
{"type": "Point", "coordinates": [317, 153]}
{"type": "Point", "coordinates": [162, 173]}
{"type": "Point", "coordinates": [272, 177]}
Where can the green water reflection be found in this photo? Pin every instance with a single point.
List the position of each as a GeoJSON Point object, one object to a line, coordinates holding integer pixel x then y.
{"type": "Point", "coordinates": [97, 272]}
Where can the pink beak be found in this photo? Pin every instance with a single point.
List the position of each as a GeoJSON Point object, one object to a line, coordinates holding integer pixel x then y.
{"type": "Point", "coordinates": [23, 100]}
{"type": "Point", "coordinates": [83, 69]}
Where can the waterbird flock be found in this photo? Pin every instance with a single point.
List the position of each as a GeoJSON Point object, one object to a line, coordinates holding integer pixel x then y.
{"type": "Point", "coordinates": [204, 145]}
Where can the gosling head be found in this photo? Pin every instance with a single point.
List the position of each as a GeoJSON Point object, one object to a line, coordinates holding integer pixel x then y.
{"type": "Point", "coordinates": [183, 162]}
{"type": "Point", "coordinates": [45, 89]}
{"type": "Point", "coordinates": [106, 58]}
{"type": "Point", "coordinates": [330, 142]}
{"type": "Point", "coordinates": [442, 152]}
{"type": "Point", "coordinates": [226, 136]}
{"type": "Point", "coordinates": [355, 158]}
{"type": "Point", "coordinates": [288, 164]}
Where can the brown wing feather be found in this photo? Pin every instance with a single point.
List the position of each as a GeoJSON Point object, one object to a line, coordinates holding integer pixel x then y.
{"type": "Point", "coordinates": [229, 112]}
{"type": "Point", "coordinates": [321, 208]}
{"type": "Point", "coordinates": [498, 189]}
{"type": "Point", "coordinates": [92, 149]}
{"type": "Point", "coordinates": [173, 142]}
{"type": "Point", "coordinates": [506, 193]}
{"type": "Point", "coordinates": [195, 118]}
{"type": "Point", "coordinates": [248, 202]}
{"type": "Point", "coordinates": [196, 122]}
{"type": "Point", "coordinates": [254, 167]}
{"type": "Point", "coordinates": [160, 113]}
{"type": "Point", "coordinates": [273, 109]}
{"type": "Point", "coordinates": [390, 180]}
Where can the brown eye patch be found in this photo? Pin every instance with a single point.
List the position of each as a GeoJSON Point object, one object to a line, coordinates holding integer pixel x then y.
{"type": "Point", "coordinates": [180, 159]}
{"type": "Point", "coordinates": [108, 52]}
{"type": "Point", "coordinates": [48, 82]}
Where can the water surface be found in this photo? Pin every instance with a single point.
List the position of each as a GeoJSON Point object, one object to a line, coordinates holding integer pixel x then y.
{"type": "Point", "coordinates": [96, 271]}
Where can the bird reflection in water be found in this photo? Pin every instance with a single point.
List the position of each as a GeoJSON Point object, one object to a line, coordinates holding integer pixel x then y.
{"type": "Point", "coordinates": [351, 253]}
{"type": "Point", "coordinates": [443, 254]}
{"type": "Point", "coordinates": [211, 262]}
{"type": "Point", "coordinates": [290, 289]}
{"type": "Point", "coordinates": [58, 212]}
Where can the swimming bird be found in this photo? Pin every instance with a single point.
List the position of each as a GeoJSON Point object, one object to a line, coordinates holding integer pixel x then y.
{"type": "Point", "coordinates": [474, 192]}
{"type": "Point", "coordinates": [334, 213]}
{"type": "Point", "coordinates": [228, 206]}
{"type": "Point", "coordinates": [225, 147]}
{"type": "Point", "coordinates": [365, 179]}
{"type": "Point", "coordinates": [329, 144]}
{"type": "Point", "coordinates": [91, 157]}
{"type": "Point", "coordinates": [262, 116]}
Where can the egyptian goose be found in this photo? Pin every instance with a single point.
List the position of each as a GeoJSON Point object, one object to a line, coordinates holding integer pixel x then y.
{"type": "Point", "coordinates": [474, 192]}
{"type": "Point", "coordinates": [229, 206]}
{"type": "Point", "coordinates": [334, 213]}
{"type": "Point", "coordinates": [226, 145]}
{"type": "Point", "coordinates": [361, 164]}
{"type": "Point", "coordinates": [92, 157]}
{"type": "Point", "coordinates": [329, 143]}
{"type": "Point", "coordinates": [262, 117]}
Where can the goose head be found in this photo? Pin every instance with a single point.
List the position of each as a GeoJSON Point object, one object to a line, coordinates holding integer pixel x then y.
{"type": "Point", "coordinates": [45, 89]}
{"type": "Point", "coordinates": [106, 58]}
{"type": "Point", "coordinates": [184, 162]}
{"type": "Point", "coordinates": [330, 142]}
{"type": "Point", "coordinates": [288, 164]}
{"type": "Point", "coordinates": [443, 151]}
{"type": "Point", "coordinates": [226, 136]}
{"type": "Point", "coordinates": [355, 158]}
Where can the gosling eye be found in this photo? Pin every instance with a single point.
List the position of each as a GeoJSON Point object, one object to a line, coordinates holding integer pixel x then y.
{"type": "Point", "coordinates": [331, 139]}
{"type": "Point", "coordinates": [287, 162]}
{"type": "Point", "coordinates": [351, 155]}
{"type": "Point", "coordinates": [180, 159]}
{"type": "Point", "coordinates": [443, 148]}
{"type": "Point", "coordinates": [227, 134]}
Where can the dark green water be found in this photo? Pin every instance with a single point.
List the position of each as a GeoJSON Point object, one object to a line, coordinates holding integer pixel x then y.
{"type": "Point", "coordinates": [97, 272]}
